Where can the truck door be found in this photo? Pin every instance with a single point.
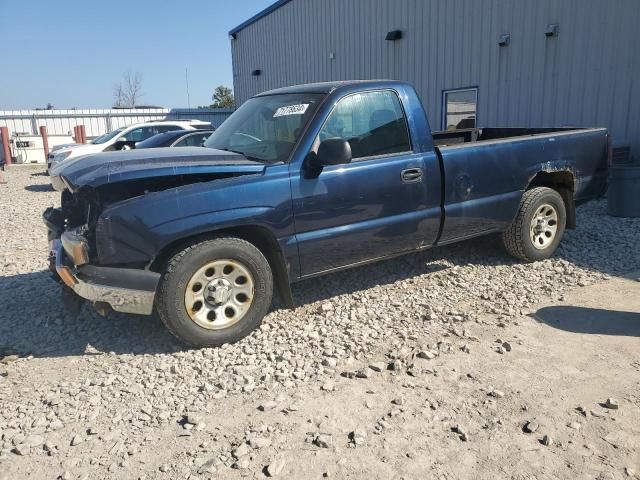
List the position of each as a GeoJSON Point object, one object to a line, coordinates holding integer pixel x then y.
{"type": "Point", "coordinates": [375, 206]}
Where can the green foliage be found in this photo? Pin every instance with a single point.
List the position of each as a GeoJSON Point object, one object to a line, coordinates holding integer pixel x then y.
{"type": "Point", "coordinates": [222, 97]}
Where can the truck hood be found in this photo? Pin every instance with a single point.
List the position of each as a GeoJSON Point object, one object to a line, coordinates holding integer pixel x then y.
{"type": "Point", "coordinates": [117, 167]}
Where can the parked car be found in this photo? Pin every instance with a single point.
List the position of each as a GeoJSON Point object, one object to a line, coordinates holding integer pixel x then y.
{"type": "Point", "coordinates": [176, 138]}
{"type": "Point", "coordinates": [123, 138]}
{"type": "Point", "coordinates": [301, 182]}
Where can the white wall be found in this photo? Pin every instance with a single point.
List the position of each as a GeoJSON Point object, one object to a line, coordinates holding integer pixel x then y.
{"type": "Point", "coordinates": [34, 151]}
{"type": "Point", "coordinates": [100, 120]}
{"type": "Point", "coordinates": [24, 125]}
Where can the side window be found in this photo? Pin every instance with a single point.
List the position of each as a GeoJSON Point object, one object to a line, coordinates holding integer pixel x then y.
{"type": "Point", "coordinates": [372, 122]}
{"type": "Point", "coordinates": [184, 142]}
{"type": "Point", "coordinates": [136, 135]}
{"type": "Point", "coordinates": [194, 140]}
{"type": "Point", "coordinates": [459, 108]}
{"type": "Point", "coordinates": [142, 133]}
{"type": "Point", "coordinates": [148, 132]}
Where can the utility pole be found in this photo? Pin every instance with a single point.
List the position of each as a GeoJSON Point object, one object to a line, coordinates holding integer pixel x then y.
{"type": "Point", "coordinates": [186, 78]}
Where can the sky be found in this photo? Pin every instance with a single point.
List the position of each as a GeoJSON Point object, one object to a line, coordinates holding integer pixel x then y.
{"type": "Point", "coordinates": [71, 53]}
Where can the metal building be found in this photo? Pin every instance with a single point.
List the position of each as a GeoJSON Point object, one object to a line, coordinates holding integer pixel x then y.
{"type": "Point", "coordinates": [474, 62]}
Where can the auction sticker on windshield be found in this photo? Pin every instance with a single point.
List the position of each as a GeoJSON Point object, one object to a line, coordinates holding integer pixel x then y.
{"type": "Point", "coordinates": [291, 110]}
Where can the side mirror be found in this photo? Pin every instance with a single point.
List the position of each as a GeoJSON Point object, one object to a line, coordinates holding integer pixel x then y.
{"type": "Point", "coordinates": [333, 151]}
{"type": "Point", "coordinates": [123, 144]}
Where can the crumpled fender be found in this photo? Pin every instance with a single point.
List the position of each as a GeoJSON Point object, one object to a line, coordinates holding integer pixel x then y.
{"type": "Point", "coordinates": [136, 230]}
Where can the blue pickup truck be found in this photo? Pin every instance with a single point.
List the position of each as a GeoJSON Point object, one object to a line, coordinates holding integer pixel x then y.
{"type": "Point", "coordinates": [300, 182]}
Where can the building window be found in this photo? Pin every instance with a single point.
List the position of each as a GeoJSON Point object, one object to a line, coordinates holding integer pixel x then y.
{"type": "Point", "coordinates": [459, 108]}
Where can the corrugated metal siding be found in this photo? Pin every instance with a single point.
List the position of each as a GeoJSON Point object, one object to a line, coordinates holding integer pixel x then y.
{"type": "Point", "coordinates": [588, 75]}
{"type": "Point", "coordinates": [99, 121]}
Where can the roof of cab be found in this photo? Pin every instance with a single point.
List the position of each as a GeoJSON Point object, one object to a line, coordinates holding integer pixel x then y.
{"type": "Point", "coordinates": [327, 87]}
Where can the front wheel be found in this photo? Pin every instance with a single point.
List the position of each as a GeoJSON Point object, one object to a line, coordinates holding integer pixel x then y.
{"type": "Point", "coordinates": [538, 228]}
{"type": "Point", "coordinates": [215, 292]}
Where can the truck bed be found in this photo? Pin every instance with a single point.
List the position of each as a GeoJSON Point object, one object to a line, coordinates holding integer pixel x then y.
{"type": "Point", "coordinates": [484, 177]}
{"type": "Point", "coordinates": [473, 135]}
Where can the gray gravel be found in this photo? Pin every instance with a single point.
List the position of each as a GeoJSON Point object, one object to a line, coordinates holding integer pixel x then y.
{"type": "Point", "coordinates": [121, 379]}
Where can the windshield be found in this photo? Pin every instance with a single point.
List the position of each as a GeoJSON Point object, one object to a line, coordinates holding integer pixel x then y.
{"type": "Point", "coordinates": [106, 137]}
{"type": "Point", "coordinates": [266, 128]}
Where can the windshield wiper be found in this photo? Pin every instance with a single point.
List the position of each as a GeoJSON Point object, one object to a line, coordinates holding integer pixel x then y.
{"type": "Point", "coordinates": [248, 157]}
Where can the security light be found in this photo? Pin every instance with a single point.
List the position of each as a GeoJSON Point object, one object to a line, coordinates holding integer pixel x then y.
{"type": "Point", "coordinates": [394, 35]}
{"type": "Point", "coordinates": [256, 73]}
{"type": "Point", "coordinates": [504, 39]}
{"type": "Point", "coordinates": [551, 30]}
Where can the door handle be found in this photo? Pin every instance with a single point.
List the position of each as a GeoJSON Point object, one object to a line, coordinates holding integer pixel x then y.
{"type": "Point", "coordinates": [411, 175]}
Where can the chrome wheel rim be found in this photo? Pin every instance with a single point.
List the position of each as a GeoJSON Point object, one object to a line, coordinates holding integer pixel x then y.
{"type": "Point", "coordinates": [219, 294]}
{"type": "Point", "coordinates": [544, 226]}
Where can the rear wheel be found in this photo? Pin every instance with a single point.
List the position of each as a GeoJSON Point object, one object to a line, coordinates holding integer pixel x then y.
{"type": "Point", "coordinates": [538, 227]}
{"type": "Point", "coordinates": [215, 292]}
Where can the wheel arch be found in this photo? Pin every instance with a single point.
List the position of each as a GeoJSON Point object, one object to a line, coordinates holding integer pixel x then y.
{"type": "Point", "coordinates": [261, 237]}
{"type": "Point", "coordinates": [563, 181]}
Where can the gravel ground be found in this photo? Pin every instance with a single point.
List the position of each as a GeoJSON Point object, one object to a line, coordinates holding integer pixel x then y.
{"type": "Point", "coordinates": [89, 397]}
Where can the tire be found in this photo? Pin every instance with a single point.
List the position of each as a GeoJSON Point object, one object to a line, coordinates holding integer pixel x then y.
{"type": "Point", "coordinates": [531, 236]}
{"type": "Point", "coordinates": [188, 272]}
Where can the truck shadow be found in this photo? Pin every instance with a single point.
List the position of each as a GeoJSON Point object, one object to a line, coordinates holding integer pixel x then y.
{"type": "Point", "coordinates": [39, 187]}
{"type": "Point", "coordinates": [594, 321]}
{"type": "Point", "coordinates": [484, 251]}
{"type": "Point", "coordinates": [34, 321]}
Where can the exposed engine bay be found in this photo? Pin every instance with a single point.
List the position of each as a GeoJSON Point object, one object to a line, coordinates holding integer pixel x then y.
{"type": "Point", "coordinates": [80, 210]}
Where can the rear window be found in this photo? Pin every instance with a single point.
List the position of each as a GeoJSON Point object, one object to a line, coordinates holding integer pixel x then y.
{"type": "Point", "coordinates": [160, 140]}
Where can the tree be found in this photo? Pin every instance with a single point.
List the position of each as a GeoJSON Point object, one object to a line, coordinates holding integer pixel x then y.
{"type": "Point", "coordinates": [127, 92]}
{"type": "Point", "coordinates": [222, 97]}
{"type": "Point", "coordinates": [118, 96]}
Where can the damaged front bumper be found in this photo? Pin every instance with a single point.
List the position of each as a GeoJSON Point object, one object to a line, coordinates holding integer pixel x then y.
{"type": "Point", "coordinates": [124, 289]}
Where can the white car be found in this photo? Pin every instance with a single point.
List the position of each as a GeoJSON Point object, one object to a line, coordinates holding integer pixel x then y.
{"type": "Point", "coordinates": [122, 139]}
